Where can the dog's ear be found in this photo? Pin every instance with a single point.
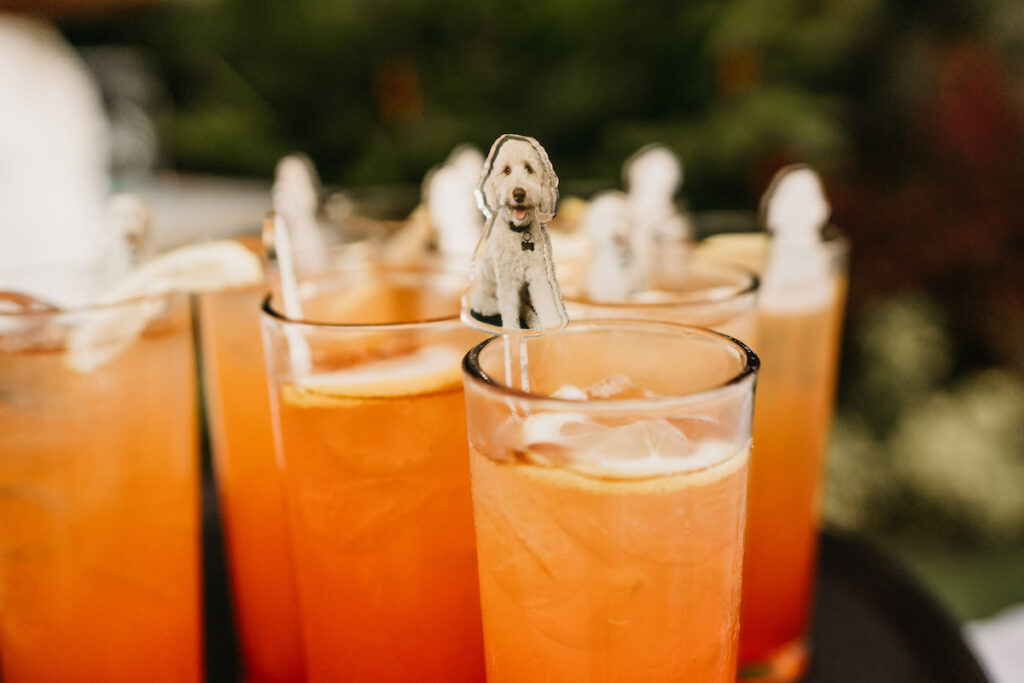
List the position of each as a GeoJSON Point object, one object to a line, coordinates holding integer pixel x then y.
{"type": "Point", "coordinates": [548, 183]}
{"type": "Point", "coordinates": [484, 188]}
{"type": "Point", "coordinates": [492, 192]}
{"type": "Point", "coordinates": [483, 193]}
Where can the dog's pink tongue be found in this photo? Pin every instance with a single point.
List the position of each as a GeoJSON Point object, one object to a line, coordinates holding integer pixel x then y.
{"type": "Point", "coordinates": [520, 214]}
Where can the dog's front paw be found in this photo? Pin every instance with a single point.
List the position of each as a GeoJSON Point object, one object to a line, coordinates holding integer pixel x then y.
{"type": "Point", "coordinates": [514, 322]}
{"type": "Point", "coordinates": [494, 319]}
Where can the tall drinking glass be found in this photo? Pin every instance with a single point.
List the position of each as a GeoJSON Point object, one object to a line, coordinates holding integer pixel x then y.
{"type": "Point", "coordinates": [369, 420]}
{"type": "Point", "coordinates": [798, 333]}
{"type": "Point", "coordinates": [609, 501]}
{"type": "Point", "coordinates": [248, 481]}
{"type": "Point", "coordinates": [249, 487]}
{"type": "Point", "coordinates": [99, 494]}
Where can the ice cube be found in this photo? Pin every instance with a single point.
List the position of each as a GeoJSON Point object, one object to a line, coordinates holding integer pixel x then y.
{"type": "Point", "coordinates": [644, 448]}
{"type": "Point", "coordinates": [643, 440]}
{"type": "Point", "coordinates": [615, 387]}
{"type": "Point", "coordinates": [549, 427]}
{"type": "Point", "coordinates": [569, 392]}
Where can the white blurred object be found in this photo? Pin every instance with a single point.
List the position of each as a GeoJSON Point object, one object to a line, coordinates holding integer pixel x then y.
{"type": "Point", "coordinates": [451, 201]}
{"type": "Point", "coordinates": [794, 209]}
{"type": "Point", "coordinates": [54, 144]}
{"type": "Point", "coordinates": [129, 238]}
{"type": "Point", "coordinates": [298, 199]}
{"type": "Point", "coordinates": [653, 176]}
{"type": "Point", "coordinates": [133, 99]}
{"type": "Point", "coordinates": [468, 161]}
{"type": "Point", "coordinates": [277, 241]}
{"type": "Point", "coordinates": [614, 272]}
{"type": "Point", "coordinates": [999, 644]}
{"type": "Point", "coordinates": [208, 266]}
{"type": "Point", "coordinates": [190, 208]}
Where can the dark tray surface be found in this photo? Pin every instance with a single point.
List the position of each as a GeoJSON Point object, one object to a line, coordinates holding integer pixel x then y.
{"type": "Point", "coordinates": [875, 622]}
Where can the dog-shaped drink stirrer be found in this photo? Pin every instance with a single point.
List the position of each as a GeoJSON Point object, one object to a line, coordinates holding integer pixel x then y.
{"type": "Point", "coordinates": [614, 273]}
{"type": "Point", "coordinates": [795, 209]}
{"type": "Point", "coordinates": [513, 290]}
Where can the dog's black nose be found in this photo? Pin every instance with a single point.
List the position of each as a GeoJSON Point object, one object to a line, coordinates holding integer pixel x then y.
{"type": "Point", "coordinates": [519, 194]}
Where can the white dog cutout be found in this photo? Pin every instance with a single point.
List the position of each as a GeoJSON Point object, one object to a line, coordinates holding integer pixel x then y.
{"type": "Point", "coordinates": [615, 273]}
{"type": "Point", "coordinates": [130, 241]}
{"type": "Point", "coordinates": [452, 208]}
{"type": "Point", "coordinates": [653, 176]}
{"type": "Point", "coordinates": [795, 209]}
{"type": "Point", "coordinates": [298, 198]}
{"type": "Point", "coordinates": [513, 283]}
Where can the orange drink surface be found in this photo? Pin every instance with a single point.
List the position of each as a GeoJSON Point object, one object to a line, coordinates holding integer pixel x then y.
{"type": "Point", "coordinates": [609, 502]}
{"type": "Point", "coordinates": [796, 388]}
{"type": "Point", "coordinates": [249, 487]}
{"type": "Point", "coordinates": [372, 440]}
{"type": "Point", "coordinates": [99, 508]}
{"type": "Point", "coordinates": [586, 579]}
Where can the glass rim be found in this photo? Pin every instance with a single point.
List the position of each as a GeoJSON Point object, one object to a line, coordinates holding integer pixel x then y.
{"type": "Point", "coordinates": [96, 307]}
{"type": "Point", "coordinates": [708, 297]}
{"type": "Point", "coordinates": [271, 313]}
{"type": "Point", "coordinates": [472, 370]}
{"type": "Point", "coordinates": [434, 266]}
{"type": "Point", "coordinates": [443, 267]}
{"type": "Point", "coordinates": [831, 234]}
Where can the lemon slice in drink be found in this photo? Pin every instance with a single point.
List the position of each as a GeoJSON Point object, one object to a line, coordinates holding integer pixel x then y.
{"type": "Point", "coordinates": [195, 268]}
{"type": "Point", "coordinates": [202, 267]}
{"type": "Point", "coordinates": [747, 249]}
{"type": "Point", "coordinates": [427, 370]}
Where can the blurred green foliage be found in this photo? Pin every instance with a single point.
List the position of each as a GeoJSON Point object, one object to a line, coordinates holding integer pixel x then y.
{"type": "Point", "coordinates": [377, 91]}
{"type": "Point", "coordinates": [921, 452]}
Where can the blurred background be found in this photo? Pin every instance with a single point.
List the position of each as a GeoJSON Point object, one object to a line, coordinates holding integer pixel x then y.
{"type": "Point", "coordinates": [913, 113]}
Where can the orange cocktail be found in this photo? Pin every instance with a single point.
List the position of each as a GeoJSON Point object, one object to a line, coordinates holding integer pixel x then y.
{"type": "Point", "coordinates": [609, 503]}
{"type": "Point", "coordinates": [99, 496]}
{"type": "Point", "coordinates": [249, 486]}
{"type": "Point", "coordinates": [799, 320]}
{"type": "Point", "coordinates": [370, 417]}
{"type": "Point", "coordinates": [798, 341]}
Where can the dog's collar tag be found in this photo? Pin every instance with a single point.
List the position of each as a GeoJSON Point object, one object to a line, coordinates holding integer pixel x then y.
{"type": "Point", "coordinates": [527, 243]}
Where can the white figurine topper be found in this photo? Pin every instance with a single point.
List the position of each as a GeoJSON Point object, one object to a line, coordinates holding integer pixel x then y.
{"type": "Point", "coordinates": [614, 272]}
{"type": "Point", "coordinates": [451, 203]}
{"type": "Point", "coordinates": [513, 283]}
{"type": "Point", "coordinates": [54, 155]}
{"type": "Point", "coordinates": [298, 198]}
{"type": "Point", "coordinates": [130, 241]}
{"type": "Point", "coordinates": [794, 209]}
{"type": "Point", "coordinates": [653, 176]}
